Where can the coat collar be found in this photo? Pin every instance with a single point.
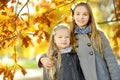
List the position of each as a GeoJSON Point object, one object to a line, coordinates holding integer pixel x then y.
{"type": "Point", "coordinates": [85, 30]}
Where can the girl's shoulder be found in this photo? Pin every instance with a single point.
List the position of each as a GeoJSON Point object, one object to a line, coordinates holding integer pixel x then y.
{"type": "Point", "coordinates": [104, 38]}
{"type": "Point", "coordinates": [103, 35]}
{"type": "Point", "coordinates": [101, 32]}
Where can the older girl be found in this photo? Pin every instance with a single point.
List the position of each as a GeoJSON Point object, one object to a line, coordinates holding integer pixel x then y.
{"type": "Point", "coordinates": [95, 54]}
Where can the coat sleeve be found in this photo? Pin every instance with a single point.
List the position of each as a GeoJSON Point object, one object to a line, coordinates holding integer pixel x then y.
{"type": "Point", "coordinates": [110, 59]}
{"type": "Point", "coordinates": [39, 62]}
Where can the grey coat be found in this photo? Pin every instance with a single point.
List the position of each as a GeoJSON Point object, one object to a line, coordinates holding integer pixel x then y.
{"type": "Point", "coordinates": [94, 66]}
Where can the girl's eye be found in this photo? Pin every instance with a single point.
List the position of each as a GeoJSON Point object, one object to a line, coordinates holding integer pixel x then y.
{"type": "Point", "coordinates": [77, 13]}
{"type": "Point", "coordinates": [86, 14]}
{"type": "Point", "coordinates": [59, 37]}
{"type": "Point", "coordinates": [67, 37]}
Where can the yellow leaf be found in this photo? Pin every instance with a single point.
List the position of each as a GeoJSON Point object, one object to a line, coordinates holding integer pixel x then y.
{"type": "Point", "coordinates": [14, 57]}
{"type": "Point", "coordinates": [22, 70]}
{"type": "Point", "coordinates": [2, 68]}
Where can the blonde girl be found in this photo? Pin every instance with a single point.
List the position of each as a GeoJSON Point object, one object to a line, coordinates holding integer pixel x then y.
{"type": "Point", "coordinates": [61, 51]}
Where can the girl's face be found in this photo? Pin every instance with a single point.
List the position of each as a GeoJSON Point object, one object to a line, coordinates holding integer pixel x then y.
{"type": "Point", "coordinates": [62, 38]}
{"type": "Point", "coordinates": [81, 16]}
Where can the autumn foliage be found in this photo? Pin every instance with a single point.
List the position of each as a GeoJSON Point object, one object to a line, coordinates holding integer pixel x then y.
{"type": "Point", "coordinates": [9, 72]}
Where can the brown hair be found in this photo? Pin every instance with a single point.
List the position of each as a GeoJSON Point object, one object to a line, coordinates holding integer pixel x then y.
{"type": "Point", "coordinates": [94, 35]}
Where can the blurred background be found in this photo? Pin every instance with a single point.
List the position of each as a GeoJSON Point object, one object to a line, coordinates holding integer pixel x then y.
{"type": "Point", "coordinates": [25, 27]}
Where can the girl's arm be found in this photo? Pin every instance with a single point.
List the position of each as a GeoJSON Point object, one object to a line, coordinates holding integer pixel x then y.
{"type": "Point", "coordinates": [45, 62]}
{"type": "Point", "coordinates": [39, 61]}
{"type": "Point", "coordinates": [110, 59]}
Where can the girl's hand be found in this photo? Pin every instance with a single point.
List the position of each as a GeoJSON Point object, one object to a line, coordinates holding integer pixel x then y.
{"type": "Point", "coordinates": [47, 62]}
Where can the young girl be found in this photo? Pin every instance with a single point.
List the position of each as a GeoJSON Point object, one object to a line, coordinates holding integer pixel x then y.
{"type": "Point", "coordinates": [66, 63]}
{"type": "Point", "coordinates": [96, 57]}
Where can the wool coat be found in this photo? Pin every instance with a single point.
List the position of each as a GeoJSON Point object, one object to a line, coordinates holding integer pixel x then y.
{"type": "Point", "coordinates": [94, 66]}
{"type": "Point", "coordinates": [70, 68]}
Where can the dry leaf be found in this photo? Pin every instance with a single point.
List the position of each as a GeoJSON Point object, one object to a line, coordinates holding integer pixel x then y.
{"type": "Point", "coordinates": [14, 57]}
{"type": "Point", "coordinates": [22, 70]}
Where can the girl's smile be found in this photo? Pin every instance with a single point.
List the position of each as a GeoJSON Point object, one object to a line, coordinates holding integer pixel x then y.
{"type": "Point", "coordinates": [81, 16]}
{"type": "Point", "coordinates": [62, 38]}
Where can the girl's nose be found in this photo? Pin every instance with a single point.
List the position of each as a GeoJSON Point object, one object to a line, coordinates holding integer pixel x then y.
{"type": "Point", "coordinates": [64, 39]}
{"type": "Point", "coordinates": [81, 16]}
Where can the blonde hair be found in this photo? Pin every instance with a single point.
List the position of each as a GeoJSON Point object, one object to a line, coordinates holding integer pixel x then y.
{"type": "Point", "coordinates": [53, 51]}
{"type": "Point", "coordinates": [94, 35]}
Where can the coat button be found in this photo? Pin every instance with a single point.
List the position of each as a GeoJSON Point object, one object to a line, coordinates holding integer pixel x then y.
{"type": "Point", "coordinates": [89, 44]}
{"type": "Point", "coordinates": [68, 55]}
{"type": "Point", "coordinates": [91, 53]}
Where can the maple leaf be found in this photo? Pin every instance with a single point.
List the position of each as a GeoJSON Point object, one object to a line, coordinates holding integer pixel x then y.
{"type": "Point", "coordinates": [47, 36]}
{"type": "Point", "coordinates": [12, 42]}
{"type": "Point", "coordinates": [13, 1]}
{"type": "Point", "coordinates": [26, 41]}
{"type": "Point", "coordinates": [14, 57]}
{"type": "Point", "coordinates": [45, 4]}
{"type": "Point", "coordinates": [2, 68]}
{"type": "Point", "coordinates": [39, 38]}
{"type": "Point", "coordinates": [22, 70]}
{"type": "Point", "coordinates": [3, 3]}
